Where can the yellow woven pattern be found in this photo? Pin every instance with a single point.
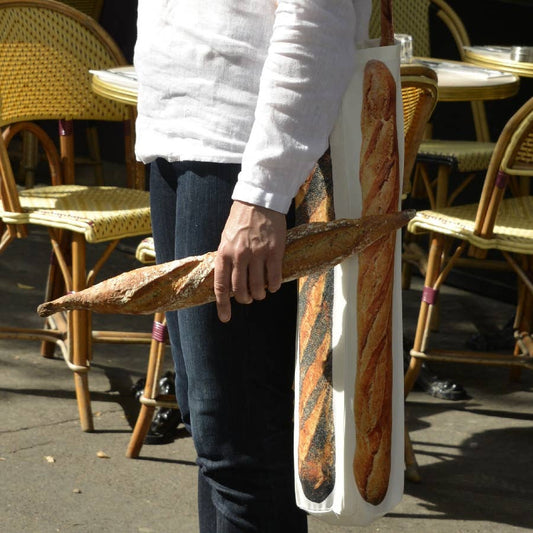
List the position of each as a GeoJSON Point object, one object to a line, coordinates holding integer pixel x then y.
{"type": "Point", "coordinates": [411, 17]}
{"type": "Point", "coordinates": [145, 252]}
{"type": "Point", "coordinates": [35, 45]}
{"type": "Point", "coordinates": [409, 100]}
{"type": "Point", "coordinates": [97, 212]}
{"type": "Point", "coordinates": [513, 230]}
{"type": "Point", "coordinates": [470, 156]}
{"type": "Point", "coordinates": [525, 152]}
{"type": "Point", "coordinates": [411, 96]}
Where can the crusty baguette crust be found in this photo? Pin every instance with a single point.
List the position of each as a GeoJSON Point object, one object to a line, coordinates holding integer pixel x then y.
{"type": "Point", "coordinates": [380, 182]}
{"type": "Point", "coordinates": [188, 282]}
{"type": "Point", "coordinates": [316, 432]}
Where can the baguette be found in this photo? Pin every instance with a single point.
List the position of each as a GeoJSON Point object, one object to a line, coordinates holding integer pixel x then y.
{"type": "Point", "coordinates": [380, 184]}
{"type": "Point", "coordinates": [189, 282]}
{"type": "Point", "coordinates": [316, 435]}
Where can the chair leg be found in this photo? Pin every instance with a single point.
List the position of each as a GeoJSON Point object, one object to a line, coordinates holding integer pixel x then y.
{"type": "Point", "coordinates": [412, 472]}
{"type": "Point", "coordinates": [523, 325]}
{"type": "Point", "coordinates": [93, 145]}
{"type": "Point", "coordinates": [151, 387]}
{"type": "Point", "coordinates": [80, 342]}
{"type": "Point", "coordinates": [144, 420]}
{"type": "Point", "coordinates": [55, 287]}
{"type": "Point", "coordinates": [30, 158]}
{"type": "Point", "coordinates": [424, 317]}
{"type": "Point", "coordinates": [81, 383]}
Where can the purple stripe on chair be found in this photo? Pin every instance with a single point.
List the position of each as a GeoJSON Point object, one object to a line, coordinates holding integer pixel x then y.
{"type": "Point", "coordinates": [429, 295]}
{"type": "Point", "coordinates": [159, 332]}
{"type": "Point", "coordinates": [501, 179]}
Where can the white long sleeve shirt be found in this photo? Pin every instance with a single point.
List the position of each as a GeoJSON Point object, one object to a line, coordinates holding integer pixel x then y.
{"type": "Point", "coordinates": [256, 82]}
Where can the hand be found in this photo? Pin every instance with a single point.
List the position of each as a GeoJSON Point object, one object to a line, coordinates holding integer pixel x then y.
{"type": "Point", "coordinates": [249, 256]}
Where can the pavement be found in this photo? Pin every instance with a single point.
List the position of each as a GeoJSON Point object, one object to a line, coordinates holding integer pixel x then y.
{"type": "Point", "coordinates": [475, 455]}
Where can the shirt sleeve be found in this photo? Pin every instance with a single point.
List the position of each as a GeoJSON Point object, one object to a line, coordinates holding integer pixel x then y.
{"type": "Point", "coordinates": [308, 67]}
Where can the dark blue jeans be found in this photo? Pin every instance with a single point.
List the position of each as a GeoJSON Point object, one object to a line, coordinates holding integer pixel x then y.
{"type": "Point", "coordinates": [233, 380]}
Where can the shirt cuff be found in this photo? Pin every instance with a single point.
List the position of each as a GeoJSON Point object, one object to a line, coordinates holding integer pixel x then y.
{"type": "Point", "coordinates": [245, 192]}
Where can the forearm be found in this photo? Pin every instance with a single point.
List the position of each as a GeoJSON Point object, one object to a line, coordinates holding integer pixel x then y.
{"type": "Point", "coordinates": [307, 70]}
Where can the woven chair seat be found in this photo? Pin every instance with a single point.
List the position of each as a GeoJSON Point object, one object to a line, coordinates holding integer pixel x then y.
{"type": "Point", "coordinates": [463, 156]}
{"type": "Point", "coordinates": [145, 252]}
{"type": "Point", "coordinates": [513, 229]}
{"type": "Point", "coordinates": [97, 212]}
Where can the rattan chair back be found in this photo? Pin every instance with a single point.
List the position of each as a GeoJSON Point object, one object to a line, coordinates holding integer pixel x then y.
{"type": "Point", "coordinates": [46, 51]}
{"type": "Point", "coordinates": [413, 17]}
{"type": "Point", "coordinates": [510, 169]}
{"type": "Point", "coordinates": [501, 219]}
{"type": "Point", "coordinates": [410, 17]}
{"type": "Point", "coordinates": [419, 97]}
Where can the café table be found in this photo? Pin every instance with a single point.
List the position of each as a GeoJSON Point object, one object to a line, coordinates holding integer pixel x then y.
{"type": "Point", "coordinates": [119, 84]}
{"type": "Point", "coordinates": [498, 57]}
{"type": "Point", "coordinates": [458, 81]}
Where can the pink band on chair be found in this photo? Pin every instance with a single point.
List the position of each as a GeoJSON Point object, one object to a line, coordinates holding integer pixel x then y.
{"type": "Point", "coordinates": [159, 332]}
{"type": "Point", "coordinates": [501, 179]}
{"type": "Point", "coordinates": [429, 295]}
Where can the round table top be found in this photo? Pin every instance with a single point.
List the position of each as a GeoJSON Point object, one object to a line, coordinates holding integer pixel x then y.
{"type": "Point", "coordinates": [118, 84]}
{"type": "Point", "coordinates": [498, 57]}
{"type": "Point", "coordinates": [459, 81]}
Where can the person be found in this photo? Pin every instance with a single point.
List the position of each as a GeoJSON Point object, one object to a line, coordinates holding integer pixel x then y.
{"type": "Point", "coordinates": [236, 102]}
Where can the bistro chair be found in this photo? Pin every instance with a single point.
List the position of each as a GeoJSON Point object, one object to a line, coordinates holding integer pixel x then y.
{"type": "Point", "coordinates": [46, 51]}
{"type": "Point", "coordinates": [419, 95]}
{"type": "Point", "coordinates": [500, 222]}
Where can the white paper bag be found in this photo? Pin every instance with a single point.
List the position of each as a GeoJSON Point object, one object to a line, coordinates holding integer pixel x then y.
{"type": "Point", "coordinates": [348, 472]}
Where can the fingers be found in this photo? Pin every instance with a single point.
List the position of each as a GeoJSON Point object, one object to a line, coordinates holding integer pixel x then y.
{"type": "Point", "coordinates": [245, 281]}
{"type": "Point", "coordinates": [273, 272]}
{"type": "Point", "coordinates": [256, 280]}
{"type": "Point", "coordinates": [249, 256]}
{"type": "Point", "coordinates": [222, 286]}
{"type": "Point", "coordinates": [239, 283]}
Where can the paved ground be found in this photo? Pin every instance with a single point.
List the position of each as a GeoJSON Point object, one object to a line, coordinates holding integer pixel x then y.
{"type": "Point", "coordinates": [475, 455]}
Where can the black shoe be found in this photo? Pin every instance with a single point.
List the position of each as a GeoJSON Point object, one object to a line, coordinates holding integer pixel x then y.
{"type": "Point", "coordinates": [444, 389]}
{"type": "Point", "coordinates": [166, 421]}
{"type": "Point", "coordinates": [137, 388]}
{"type": "Point", "coordinates": [164, 427]}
